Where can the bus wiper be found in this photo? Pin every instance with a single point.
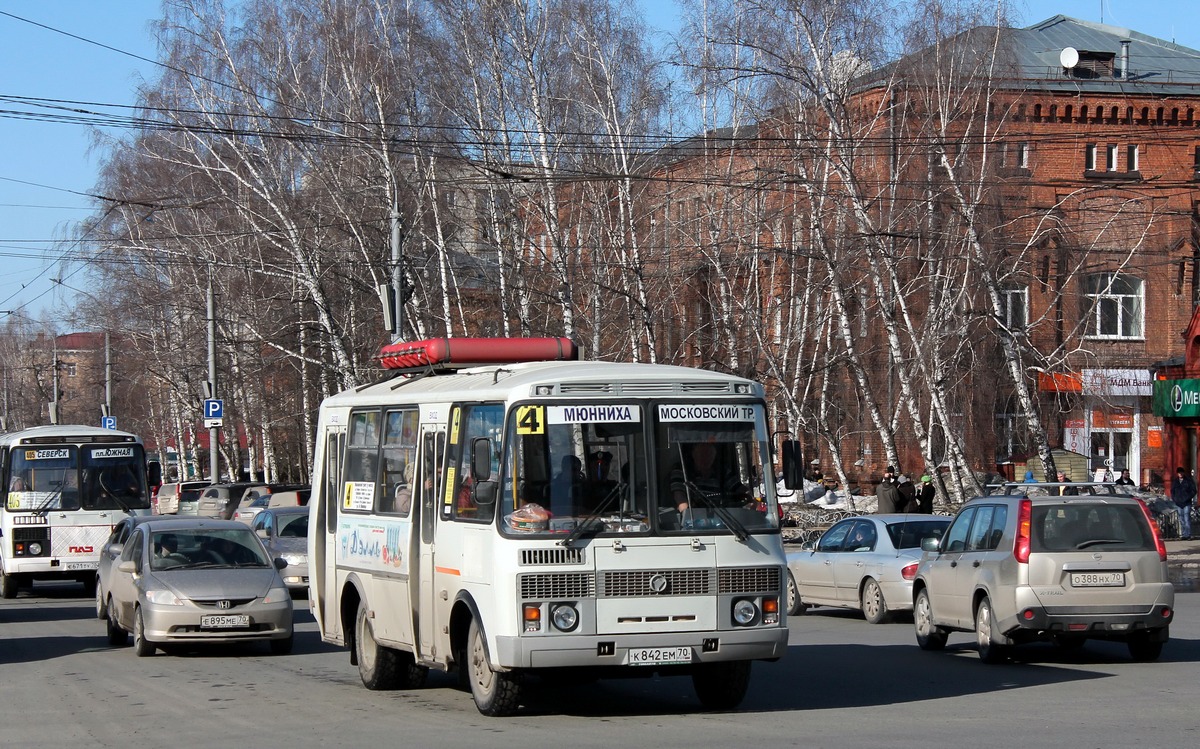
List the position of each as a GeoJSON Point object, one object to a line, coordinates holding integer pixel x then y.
{"type": "Point", "coordinates": [592, 516]}
{"type": "Point", "coordinates": [45, 506]}
{"type": "Point", "coordinates": [735, 525]}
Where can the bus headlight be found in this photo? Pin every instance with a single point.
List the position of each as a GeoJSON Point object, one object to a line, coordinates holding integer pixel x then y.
{"type": "Point", "coordinates": [744, 612]}
{"type": "Point", "coordinates": [35, 549]}
{"type": "Point", "coordinates": [565, 617]}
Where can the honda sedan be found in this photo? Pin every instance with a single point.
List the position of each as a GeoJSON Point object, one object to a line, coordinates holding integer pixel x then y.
{"type": "Point", "coordinates": [183, 582]}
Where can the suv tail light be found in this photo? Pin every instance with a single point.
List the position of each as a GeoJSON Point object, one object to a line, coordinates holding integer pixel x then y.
{"type": "Point", "coordinates": [1158, 542]}
{"type": "Point", "coordinates": [1024, 525]}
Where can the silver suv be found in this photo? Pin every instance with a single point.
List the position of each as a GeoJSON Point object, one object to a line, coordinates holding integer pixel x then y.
{"type": "Point", "coordinates": [1060, 562]}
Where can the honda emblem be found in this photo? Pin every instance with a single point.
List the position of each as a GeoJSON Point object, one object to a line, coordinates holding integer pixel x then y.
{"type": "Point", "coordinates": [224, 604]}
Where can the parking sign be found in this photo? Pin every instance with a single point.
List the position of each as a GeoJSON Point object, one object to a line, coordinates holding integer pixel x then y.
{"type": "Point", "coordinates": [108, 422]}
{"type": "Point", "coordinates": [214, 412]}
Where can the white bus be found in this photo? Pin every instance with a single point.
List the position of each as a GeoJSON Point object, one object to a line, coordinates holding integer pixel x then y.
{"type": "Point", "coordinates": [65, 487]}
{"type": "Point", "coordinates": [530, 513]}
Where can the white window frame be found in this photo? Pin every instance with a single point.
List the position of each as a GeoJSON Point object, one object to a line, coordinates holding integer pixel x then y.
{"type": "Point", "coordinates": [1022, 155]}
{"type": "Point", "coordinates": [1132, 159]}
{"type": "Point", "coordinates": [1014, 297]}
{"type": "Point", "coordinates": [1089, 157]}
{"type": "Point", "coordinates": [1110, 157]}
{"type": "Point", "coordinates": [1114, 314]}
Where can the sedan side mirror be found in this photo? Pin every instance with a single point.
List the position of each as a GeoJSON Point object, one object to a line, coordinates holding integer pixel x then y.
{"type": "Point", "coordinates": [262, 533]}
{"type": "Point", "coordinates": [127, 565]}
{"type": "Point", "coordinates": [280, 563]}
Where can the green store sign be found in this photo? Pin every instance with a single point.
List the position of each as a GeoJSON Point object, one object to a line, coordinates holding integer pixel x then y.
{"type": "Point", "coordinates": [1177, 398]}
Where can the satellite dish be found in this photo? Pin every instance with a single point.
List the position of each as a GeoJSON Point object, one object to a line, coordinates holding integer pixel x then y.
{"type": "Point", "coordinates": [1069, 57]}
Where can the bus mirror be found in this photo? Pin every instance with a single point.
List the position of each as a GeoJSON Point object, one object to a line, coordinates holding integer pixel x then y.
{"type": "Point", "coordinates": [485, 495]}
{"type": "Point", "coordinates": [481, 459]}
{"type": "Point", "coordinates": [154, 473]}
{"type": "Point", "coordinates": [793, 465]}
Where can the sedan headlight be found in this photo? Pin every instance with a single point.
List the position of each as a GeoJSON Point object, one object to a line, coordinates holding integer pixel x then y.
{"type": "Point", "coordinates": [163, 597]}
{"type": "Point", "coordinates": [275, 595]}
{"type": "Point", "coordinates": [295, 560]}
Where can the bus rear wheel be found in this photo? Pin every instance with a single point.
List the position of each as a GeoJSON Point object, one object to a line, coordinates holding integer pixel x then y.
{"type": "Point", "coordinates": [496, 693]}
{"type": "Point", "coordinates": [722, 685]}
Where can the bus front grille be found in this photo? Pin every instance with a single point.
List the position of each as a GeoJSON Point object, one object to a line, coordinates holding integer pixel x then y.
{"type": "Point", "coordinates": [638, 583]}
{"type": "Point", "coordinates": [537, 557]}
{"type": "Point", "coordinates": [750, 580]}
{"type": "Point", "coordinates": [551, 585]}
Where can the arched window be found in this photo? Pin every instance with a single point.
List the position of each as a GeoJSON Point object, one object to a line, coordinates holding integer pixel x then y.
{"type": "Point", "coordinates": [1113, 306]}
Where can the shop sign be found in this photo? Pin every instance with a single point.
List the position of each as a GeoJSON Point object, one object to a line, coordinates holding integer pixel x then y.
{"type": "Point", "coordinates": [1116, 382]}
{"type": "Point", "coordinates": [1177, 398]}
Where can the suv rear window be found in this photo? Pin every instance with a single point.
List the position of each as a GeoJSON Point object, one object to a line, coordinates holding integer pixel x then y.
{"type": "Point", "coordinates": [1090, 526]}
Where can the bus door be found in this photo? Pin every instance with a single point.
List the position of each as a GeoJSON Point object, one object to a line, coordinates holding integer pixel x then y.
{"type": "Point", "coordinates": [321, 567]}
{"type": "Point", "coordinates": [395, 565]}
{"type": "Point", "coordinates": [431, 469]}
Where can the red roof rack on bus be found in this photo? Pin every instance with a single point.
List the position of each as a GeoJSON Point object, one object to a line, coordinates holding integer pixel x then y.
{"type": "Point", "coordinates": [456, 353]}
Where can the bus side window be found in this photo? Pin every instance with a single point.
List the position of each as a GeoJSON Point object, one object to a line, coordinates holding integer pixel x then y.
{"type": "Point", "coordinates": [482, 421]}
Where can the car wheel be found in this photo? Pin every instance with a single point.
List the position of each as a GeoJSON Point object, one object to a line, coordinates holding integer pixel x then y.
{"type": "Point", "coordinates": [795, 606]}
{"type": "Point", "coordinates": [117, 637]}
{"type": "Point", "coordinates": [723, 685]}
{"type": "Point", "coordinates": [8, 586]}
{"type": "Point", "coordinates": [496, 693]}
{"type": "Point", "coordinates": [141, 646]}
{"type": "Point", "coordinates": [989, 650]}
{"type": "Point", "coordinates": [376, 663]}
{"type": "Point", "coordinates": [1144, 649]}
{"type": "Point", "coordinates": [929, 635]}
{"type": "Point", "coordinates": [874, 608]}
{"type": "Point", "coordinates": [284, 646]}
{"type": "Point", "coordinates": [101, 606]}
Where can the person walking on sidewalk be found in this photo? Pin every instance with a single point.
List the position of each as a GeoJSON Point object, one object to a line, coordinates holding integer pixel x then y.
{"type": "Point", "coordinates": [1183, 493]}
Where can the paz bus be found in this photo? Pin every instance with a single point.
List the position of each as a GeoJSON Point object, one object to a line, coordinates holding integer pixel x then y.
{"type": "Point", "coordinates": [500, 509]}
{"type": "Point", "coordinates": [65, 487]}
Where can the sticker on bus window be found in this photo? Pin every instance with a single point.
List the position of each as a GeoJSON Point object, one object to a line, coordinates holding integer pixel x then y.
{"type": "Point", "coordinates": [594, 414]}
{"type": "Point", "coordinates": [112, 452]}
{"type": "Point", "coordinates": [58, 454]}
{"type": "Point", "coordinates": [531, 420]}
{"type": "Point", "coordinates": [705, 412]}
{"type": "Point", "coordinates": [360, 495]}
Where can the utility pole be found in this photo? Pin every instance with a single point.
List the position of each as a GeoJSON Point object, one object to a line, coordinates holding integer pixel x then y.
{"type": "Point", "coordinates": [397, 273]}
{"type": "Point", "coordinates": [107, 374]}
{"type": "Point", "coordinates": [212, 378]}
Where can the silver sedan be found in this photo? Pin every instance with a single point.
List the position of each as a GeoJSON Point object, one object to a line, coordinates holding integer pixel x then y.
{"type": "Point", "coordinates": [182, 581]}
{"type": "Point", "coordinates": [284, 530]}
{"type": "Point", "coordinates": [866, 563]}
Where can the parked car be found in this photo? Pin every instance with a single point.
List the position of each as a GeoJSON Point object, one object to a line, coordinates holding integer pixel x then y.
{"type": "Point", "coordinates": [866, 563]}
{"type": "Point", "coordinates": [246, 509]}
{"type": "Point", "coordinates": [292, 498]}
{"type": "Point", "coordinates": [186, 581]}
{"type": "Point", "coordinates": [219, 500]}
{"type": "Point", "coordinates": [109, 553]}
{"type": "Point", "coordinates": [179, 498]}
{"type": "Point", "coordinates": [284, 531]}
{"type": "Point", "coordinates": [1065, 568]}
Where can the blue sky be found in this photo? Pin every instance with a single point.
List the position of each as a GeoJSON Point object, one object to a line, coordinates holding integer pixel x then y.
{"type": "Point", "coordinates": [45, 166]}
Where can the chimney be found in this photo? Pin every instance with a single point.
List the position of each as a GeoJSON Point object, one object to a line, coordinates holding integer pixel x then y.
{"type": "Point", "coordinates": [1125, 58]}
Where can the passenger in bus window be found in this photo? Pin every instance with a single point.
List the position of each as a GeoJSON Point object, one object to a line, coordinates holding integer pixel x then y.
{"type": "Point", "coordinates": [700, 472]}
{"type": "Point", "coordinates": [17, 484]}
{"type": "Point", "coordinates": [565, 486]}
{"type": "Point", "coordinates": [404, 490]}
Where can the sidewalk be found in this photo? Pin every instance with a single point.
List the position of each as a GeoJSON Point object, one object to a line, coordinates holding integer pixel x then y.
{"type": "Point", "coordinates": [1183, 558]}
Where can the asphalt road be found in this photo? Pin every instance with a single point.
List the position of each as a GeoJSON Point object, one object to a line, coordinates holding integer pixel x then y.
{"type": "Point", "coordinates": [844, 683]}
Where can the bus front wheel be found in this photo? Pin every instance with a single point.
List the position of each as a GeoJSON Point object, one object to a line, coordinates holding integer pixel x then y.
{"type": "Point", "coordinates": [721, 685]}
{"type": "Point", "coordinates": [377, 665]}
{"type": "Point", "coordinates": [496, 693]}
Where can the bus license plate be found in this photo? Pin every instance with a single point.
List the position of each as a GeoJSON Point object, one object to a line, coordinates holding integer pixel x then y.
{"type": "Point", "coordinates": [1097, 579]}
{"type": "Point", "coordinates": [80, 566]}
{"type": "Point", "coordinates": [659, 656]}
{"type": "Point", "coordinates": [224, 621]}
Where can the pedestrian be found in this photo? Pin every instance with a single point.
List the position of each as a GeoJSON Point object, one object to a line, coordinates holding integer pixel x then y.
{"type": "Point", "coordinates": [1124, 480]}
{"type": "Point", "coordinates": [908, 494]}
{"type": "Point", "coordinates": [925, 496]}
{"type": "Point", "coordinates": [1066, 491]}
{"type": "Point", "coordinates": [1183, 492]}
{"type": "Point", "coordinates": [888, 494]}
{"type": "Point", "coordinates": [1029, 479]}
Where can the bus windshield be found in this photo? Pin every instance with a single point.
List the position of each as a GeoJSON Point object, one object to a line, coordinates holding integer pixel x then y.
{"type": "Point", "coordinates": [571, 468]}
{"type": "Point", "coordinates": [69, 477]}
